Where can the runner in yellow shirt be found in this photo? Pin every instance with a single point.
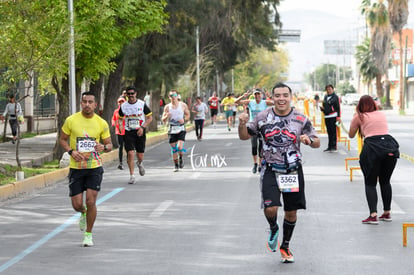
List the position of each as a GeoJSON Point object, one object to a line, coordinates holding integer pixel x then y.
{"type": "Point", "coordinates": [228, 103]}
{"type": "Point", "coordinates": [84, 136]}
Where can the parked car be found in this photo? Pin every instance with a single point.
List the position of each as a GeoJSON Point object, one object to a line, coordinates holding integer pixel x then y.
{"type": "Point", "coordinates": [351, 99]}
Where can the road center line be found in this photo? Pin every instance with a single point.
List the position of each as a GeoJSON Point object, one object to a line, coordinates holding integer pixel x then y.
{"type": "Point", "coordinates": [161, 209]}
{"type": "Point", "coordinates": [56, 231]}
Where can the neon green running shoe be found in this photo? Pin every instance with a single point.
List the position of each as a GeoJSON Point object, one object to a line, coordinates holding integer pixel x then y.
{"type": "Point", "coordinates": [87, 239]}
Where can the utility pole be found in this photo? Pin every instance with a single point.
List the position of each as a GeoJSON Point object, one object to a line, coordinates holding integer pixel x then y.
{"type": "Point", "coordinates": [72, 77]}
{"type": "Point", "coordinates": [198, 61]}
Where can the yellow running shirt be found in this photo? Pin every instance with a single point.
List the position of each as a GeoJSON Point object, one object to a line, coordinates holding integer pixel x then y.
{"type": "Point", "coordinates": [84, 134]}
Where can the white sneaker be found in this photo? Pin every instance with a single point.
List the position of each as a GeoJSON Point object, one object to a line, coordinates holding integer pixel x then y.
{"type": "Point", "coordinates": [141, 168]}
{"type": "Point", "coordinates": [131, 179]}
{"type": "Point", "coordinates": [87, 240]}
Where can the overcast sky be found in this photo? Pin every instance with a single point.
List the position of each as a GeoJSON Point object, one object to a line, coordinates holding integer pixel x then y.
{"type": "Point", "coordinates": [308, 53]}
{"type": "Point", "coordinates": [345, 8]}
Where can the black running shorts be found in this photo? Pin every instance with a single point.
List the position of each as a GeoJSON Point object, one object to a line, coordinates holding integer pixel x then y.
{"type": "Point", "coordinates": [213, 112]}
{"type": "Point", "coordinates": [134, 142]}
{"type": "Point", "coordinates": [173, 138]}
{"type": "Point", "coordinates": [271, 193]}
{"type": "Point", "coordinates": [82, 179]}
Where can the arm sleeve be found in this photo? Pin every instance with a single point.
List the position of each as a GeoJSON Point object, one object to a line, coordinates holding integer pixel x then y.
{"type": "Point", "coordinates": [5, 110]}
{"type": "Point", "coordinates": [147, 110]}
{"type": "Point", "coordinates": [120, 113]}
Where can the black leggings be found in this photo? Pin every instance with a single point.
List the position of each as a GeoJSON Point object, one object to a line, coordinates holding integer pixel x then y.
{"type": "Point", "coordinates": [121, 147]}
{"type": "Point", "coordinates": [331, 129]}
{"type": "Point", "coordinates": [199, 123]}
{"type": "Point", "coordinates": [13, 126]}
{"type": "Point", "coordinates": [254, 140]}
{"type": "Point", "coordinates": [382, 170]}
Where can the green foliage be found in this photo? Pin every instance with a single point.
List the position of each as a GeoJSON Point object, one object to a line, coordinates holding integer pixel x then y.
{"type": "Point", "coordinates": [262, 68]}
{"type": "Point", "coordinates": [365, 61]}
{"type": "Point", "coordinates": [38, 42]}
{"type": "Point", "coordinates": [327, 74]}
{"type": "Point", "coordinates": [105, 27]}
{"type": "Point", "coordinates": [8, 175]}
{"type": "Point", "coordinates": [345, 88]}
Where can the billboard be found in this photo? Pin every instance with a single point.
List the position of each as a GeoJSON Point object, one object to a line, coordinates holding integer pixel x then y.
{"type": "Point", "coordinates": [339, 47]}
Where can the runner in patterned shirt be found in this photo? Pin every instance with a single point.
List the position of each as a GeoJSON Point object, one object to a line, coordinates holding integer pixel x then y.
{"type": "Point", "coordinates": [283, 129]}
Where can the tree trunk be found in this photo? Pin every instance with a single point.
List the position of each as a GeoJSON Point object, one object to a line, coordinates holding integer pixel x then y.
{"type": "Point", "coordinates": [112, 92]}
{"type": "Point", "coordinates": [378, 84]}
{"type": "Point", "coordinates": [96, 88]}
{"type": "Point", "coordinates": [155, 108]}
{"type": "Point", "coordinates": [62, 94]}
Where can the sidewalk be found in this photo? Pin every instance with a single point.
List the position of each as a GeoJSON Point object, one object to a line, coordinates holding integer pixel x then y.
{"type": "Point", "coordinates": [32, 151]}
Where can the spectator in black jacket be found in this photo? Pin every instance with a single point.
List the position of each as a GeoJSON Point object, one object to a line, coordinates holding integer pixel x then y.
{"type": "Point", "coordinates": [331, 108]}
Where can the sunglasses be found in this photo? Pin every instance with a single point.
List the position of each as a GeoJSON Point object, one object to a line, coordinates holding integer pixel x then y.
{"type": "Point", "coordinates": [173, 95]}
{"type": "Point", "coordinates": [130, 93]}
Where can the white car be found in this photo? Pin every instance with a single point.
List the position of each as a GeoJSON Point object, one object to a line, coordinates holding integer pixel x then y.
{"type": "Point", "coordinates": [351, 99]}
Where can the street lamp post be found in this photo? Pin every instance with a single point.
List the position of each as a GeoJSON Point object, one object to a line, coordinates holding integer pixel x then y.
{"type": "Point", "coordinates": [198, 62]}
{"type": "Point", "coordinates": [72, 80]}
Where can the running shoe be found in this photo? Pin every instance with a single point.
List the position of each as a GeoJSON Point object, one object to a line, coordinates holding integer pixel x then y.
{"type": "Point", "coordinates": [131, 179]}
{"type": "Point", "coordinates": [254, 170]}
{"type": "Point", "coordinates": [327, 150]}
{"type": "Point", "coordinates": [176, 167]}
{"type": "Point", "coordinates": [181, 163]}
{"type": "Point", "coordinates": [229, 129]}
{"type": "Point", "coordinates": [385, 217]}
{"type": "Point", "coordinates": [87, 239]}
{"type": "Point", "coordinates": [272, 241]}
{"type": "Point", "coordinates": [370, 220]}
{"type": "Point", "coordinates": [120, 167]}
{"type": "Point", "coordinates": [141, 168]}
{"type": "Point", "coordinates": [286, 255]}
{"type": "Point", "coordinates": [82, 221]}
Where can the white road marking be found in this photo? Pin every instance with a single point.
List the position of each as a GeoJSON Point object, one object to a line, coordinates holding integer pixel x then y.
{"type": "Point", "coordinates": [229, 144]}
{"type": "Point", "coordinates": [195, 175]}
{"type": "Point", "coordinates": [161, 209]}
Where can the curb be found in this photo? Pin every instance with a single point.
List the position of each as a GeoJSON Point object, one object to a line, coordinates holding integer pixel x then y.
{"type": "Point", "coordinates": [27, 186]}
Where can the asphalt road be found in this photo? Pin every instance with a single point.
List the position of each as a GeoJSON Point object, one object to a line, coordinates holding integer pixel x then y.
{"type": "Point", "coordinates": [206, 219]}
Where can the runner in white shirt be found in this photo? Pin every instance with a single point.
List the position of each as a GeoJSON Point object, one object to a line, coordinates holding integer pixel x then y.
{"type": "Point", "coordinates": [200, 110]}
{"type": "Point", "coordinates": [176, 113]}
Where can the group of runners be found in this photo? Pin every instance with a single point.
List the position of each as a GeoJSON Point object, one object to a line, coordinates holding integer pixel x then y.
{"type": "Point", "coordinates": [276, 134]}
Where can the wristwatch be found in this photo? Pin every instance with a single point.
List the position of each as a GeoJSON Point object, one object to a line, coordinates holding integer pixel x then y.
{"type": "Point", "coordinates": [311, 140]}
{"type": "Point", "coordinates": [70, 152]}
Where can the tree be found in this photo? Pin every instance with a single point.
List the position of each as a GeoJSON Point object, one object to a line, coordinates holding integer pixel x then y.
{"type": "Point", "coordinates": [229, 31]}
{"type": "Point", "coordinates": [37, 30]}
{"type": "Point", "coordinates": [398, 14]}
{"type": "Point", "coordinates": [33, 38]}
{"type": "Point", "coordinates": [378, 21]}
{"type": "Point", "coordinates": [261, 69]}
{"type": "Point", "coordinates": [365, 61]}
{"type": "Point", "coordinates": [327, 74]}
{"type": "Point", "coordinates": [103, 28]}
